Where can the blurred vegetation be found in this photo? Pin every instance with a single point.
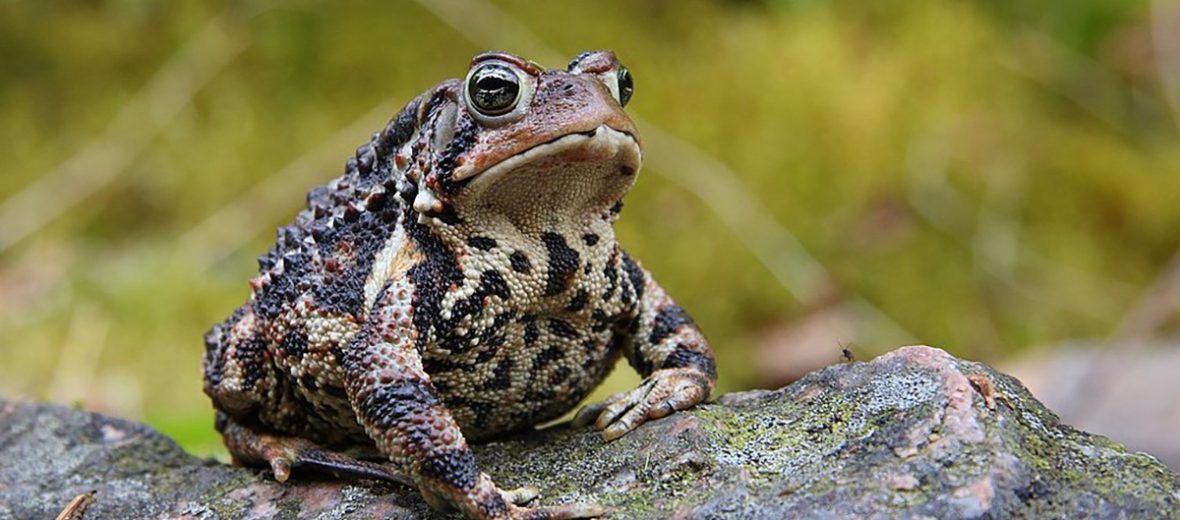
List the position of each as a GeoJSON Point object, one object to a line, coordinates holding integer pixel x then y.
{"type": "Point", "coordinates": [989, 176]}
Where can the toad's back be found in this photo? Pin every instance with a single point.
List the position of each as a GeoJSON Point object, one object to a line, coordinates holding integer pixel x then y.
{"type": "Point", "coordinates": [278, 356]}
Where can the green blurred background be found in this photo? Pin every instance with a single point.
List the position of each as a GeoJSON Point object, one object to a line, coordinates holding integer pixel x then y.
{"type": "Point", "coordinates": [990, 177]}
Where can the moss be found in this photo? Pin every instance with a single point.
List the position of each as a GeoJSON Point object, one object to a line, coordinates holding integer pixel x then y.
{"type": "Point", "coordinates": [215, 498]}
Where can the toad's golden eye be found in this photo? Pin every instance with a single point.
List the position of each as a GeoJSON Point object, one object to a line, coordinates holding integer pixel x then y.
{"type": "Point", "coordinates": [493, 89]}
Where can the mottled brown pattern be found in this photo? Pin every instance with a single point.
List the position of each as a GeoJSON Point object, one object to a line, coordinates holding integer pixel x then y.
{"type": "Point", "coordinates": [460, 281]}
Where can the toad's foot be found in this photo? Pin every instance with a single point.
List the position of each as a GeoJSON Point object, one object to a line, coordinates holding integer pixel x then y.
{"type": "Point", "coordinates": [665, 391]}
{"type": "Point", "coordinates": [479, 502]}
{"type": "Point", "coordinates": [252, 447]}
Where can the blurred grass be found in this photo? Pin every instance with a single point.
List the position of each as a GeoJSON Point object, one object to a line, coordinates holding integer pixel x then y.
{"type": "Point", "coordinates": [992, 176]}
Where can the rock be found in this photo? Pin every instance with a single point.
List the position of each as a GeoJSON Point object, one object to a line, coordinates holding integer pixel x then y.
{"type": "Point", "coordinates": [1123, 390]}
{"type": "Point", "coordinates": [914, 433]}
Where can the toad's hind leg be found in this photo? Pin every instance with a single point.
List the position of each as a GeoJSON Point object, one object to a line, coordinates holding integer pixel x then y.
{"type": "Point", "coordinates": [253, 446]}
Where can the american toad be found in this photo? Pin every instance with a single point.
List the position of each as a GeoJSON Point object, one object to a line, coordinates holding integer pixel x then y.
{"type": "Point", "coordinates": [460, 281]}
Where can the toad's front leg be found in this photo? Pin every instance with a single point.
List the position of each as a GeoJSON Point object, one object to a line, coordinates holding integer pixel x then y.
{"type": "Point", "coordinates": [664, 345]}
{"type": "Point", "coordinates": [400, 410]}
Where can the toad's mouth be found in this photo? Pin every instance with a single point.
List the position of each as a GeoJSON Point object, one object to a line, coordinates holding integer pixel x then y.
{"type": "Point", "coordinates": [566, 180]}
{"type": "Point", "coordinates": [593, 150]}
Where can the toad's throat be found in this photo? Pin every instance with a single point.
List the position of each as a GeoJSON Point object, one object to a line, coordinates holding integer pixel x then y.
{"type": "Point", "coordinates": [602, 144]}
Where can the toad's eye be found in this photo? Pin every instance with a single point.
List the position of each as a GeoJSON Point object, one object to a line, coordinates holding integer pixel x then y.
{"type": "Point", "coordinates": [493, 89]}
{"type": "Point", "coordinates": [626, 85]}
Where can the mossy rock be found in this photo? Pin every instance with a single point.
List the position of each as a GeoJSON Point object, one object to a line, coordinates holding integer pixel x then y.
{"type": "Point", "coordinates": [913, 433]}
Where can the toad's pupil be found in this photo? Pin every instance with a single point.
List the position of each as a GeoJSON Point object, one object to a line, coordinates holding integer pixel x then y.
{"type": "Point", "coordinates": [494, 90]}
{"type": "Point", "coordinates": [626, 86]}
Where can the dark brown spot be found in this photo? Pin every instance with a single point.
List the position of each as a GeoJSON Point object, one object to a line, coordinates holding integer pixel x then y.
{"type": "Point", "coordinates": [455, 467]}
{"type": "Point", "coordinates": [562, 329]}
{"type": "Point", "coordinates": [578, 302]}
{"type": "Point", "coordinates": [531, 333]}
{"type": "Point", "coordinates": [520, 262]}
{"type": "Point", "coordinates": [667, 321]}
{"type": "Point", "coordinates": [563, 262]}
{"type": "Point", "coordinates": [482, 243]}
{"type": "Point", "coordinates": [684, 357]}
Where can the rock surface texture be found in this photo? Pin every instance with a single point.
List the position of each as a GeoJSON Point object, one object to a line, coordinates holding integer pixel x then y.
{"type": "Point", "coordinates": [914, 433]}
